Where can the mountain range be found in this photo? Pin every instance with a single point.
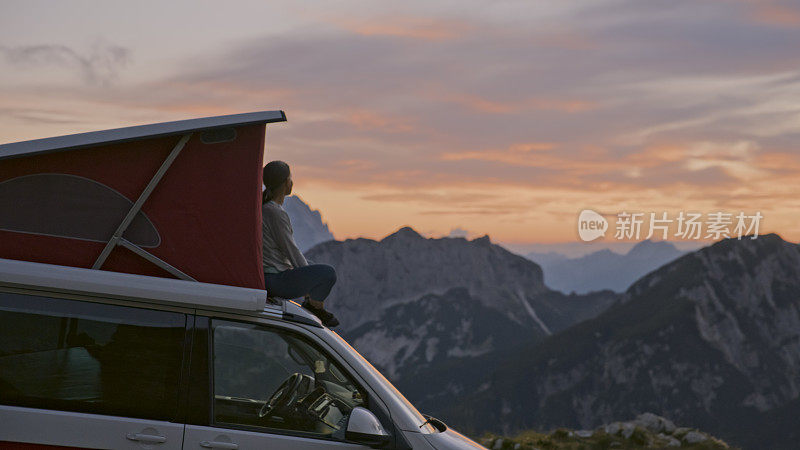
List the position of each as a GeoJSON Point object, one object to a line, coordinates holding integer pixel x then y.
{"type": "Point", "coordinates": [604, 269]}
{"type": "Point", "coordinates": [711, 339]}
{"type": "Point", "coordinates": [412, 304]}
{"type": "Point", "coordinates": [475, 335]}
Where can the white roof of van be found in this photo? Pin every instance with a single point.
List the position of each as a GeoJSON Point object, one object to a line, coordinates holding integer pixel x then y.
{"type": "Point", "coordinates": [82, 140]}
{"type": "Point", "coordinates": [147, 289]}
{"type": "Point", "coordinates": [51, 277]}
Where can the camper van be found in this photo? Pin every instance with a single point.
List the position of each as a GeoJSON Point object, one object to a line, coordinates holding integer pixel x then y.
{"type": "Point", "coordinates": [133, 313]}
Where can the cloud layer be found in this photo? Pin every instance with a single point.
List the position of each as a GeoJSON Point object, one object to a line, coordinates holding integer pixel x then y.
{"type": "Point", "coordinates": [507, 117]}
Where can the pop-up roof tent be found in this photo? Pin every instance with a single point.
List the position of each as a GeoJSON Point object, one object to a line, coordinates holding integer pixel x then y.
{"type": "Point", "coordinates": [176, 199]}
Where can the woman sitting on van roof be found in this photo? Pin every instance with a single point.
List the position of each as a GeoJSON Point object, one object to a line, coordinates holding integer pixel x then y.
{"type": "Point", "coordinates": [287, 274]}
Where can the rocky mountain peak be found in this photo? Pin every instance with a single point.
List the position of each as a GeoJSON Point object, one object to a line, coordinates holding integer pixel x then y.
{"type": "Point", "coordinates": [405, 232]}
{"type": "Point", "coordinates": [307, 225]}
{"type": "Point", "coordinates": [648, 247]}
{"type": "Point", "coordinates": [404, 265]}
{"type": "Point", "coordinates": [483, 240]}
{"type": "Point", "coordinates": [746, 245]}
{"type": "Point", "coordinates": [737, 260]}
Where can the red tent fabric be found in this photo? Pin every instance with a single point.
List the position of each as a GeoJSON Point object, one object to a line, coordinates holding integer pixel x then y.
{"type": "Point", "coordinates": [62, 205]}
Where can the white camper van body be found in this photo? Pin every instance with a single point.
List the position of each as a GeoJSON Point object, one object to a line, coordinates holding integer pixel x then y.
{"type": "Point", "coordinates": [54, 393]}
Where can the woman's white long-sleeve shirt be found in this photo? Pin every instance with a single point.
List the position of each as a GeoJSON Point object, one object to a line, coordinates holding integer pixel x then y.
{"type": "Point", "coordinates": [279, 251]}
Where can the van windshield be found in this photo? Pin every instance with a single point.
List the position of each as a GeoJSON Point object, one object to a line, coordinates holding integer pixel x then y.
{"type": "Point", "coordinates": [412, 414]}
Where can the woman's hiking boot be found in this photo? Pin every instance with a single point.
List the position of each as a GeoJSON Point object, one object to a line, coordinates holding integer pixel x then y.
{"type": "Point", "coordinates": [327, 318]}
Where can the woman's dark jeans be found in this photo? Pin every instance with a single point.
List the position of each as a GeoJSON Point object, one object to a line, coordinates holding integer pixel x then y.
{"type": "Point", "coordinates": [313, 279]}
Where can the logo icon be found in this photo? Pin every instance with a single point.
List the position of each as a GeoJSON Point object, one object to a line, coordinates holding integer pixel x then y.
{"type": "Point", "coordinates": [591, 225]}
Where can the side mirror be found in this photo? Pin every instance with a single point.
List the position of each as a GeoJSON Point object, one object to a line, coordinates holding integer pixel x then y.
{"type": "Point", "coordinates": [363, 427]}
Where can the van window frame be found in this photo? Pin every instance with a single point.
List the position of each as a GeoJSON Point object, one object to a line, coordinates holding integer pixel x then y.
{"type": "Point", "coordinates": [204, 317]}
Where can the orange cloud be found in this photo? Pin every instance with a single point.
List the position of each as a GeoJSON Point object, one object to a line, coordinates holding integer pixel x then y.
{"type": "Point", "coordinates": [371, 120]}
{"type": "Point", "coordinates": [778, 14]}
{"type": "Point", "coordinates": [355, 165]}
{"type": "Point", "coordinates": [659, 153]}
{"type": "Point", "coordinates": [422, 28]}
{"type": "Point", "coordinates": [485, 105]}
{"type": "Point", "coordinates": [581, 160]}
{"type": "Point", "coordinates": [781, 161]}
{"type": "Point", "coordinates": [531, 147]}
{"type": "Point", "coordinates": [774, 12]}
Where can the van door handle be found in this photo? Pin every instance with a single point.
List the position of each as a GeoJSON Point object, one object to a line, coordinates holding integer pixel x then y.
{"type": "Point", "coordinates": [147, 438]}
{"type": "Point", "coordinates": [218, 444]}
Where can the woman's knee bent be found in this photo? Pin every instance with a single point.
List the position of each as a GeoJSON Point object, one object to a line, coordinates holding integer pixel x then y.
{"type": "Point", "coordinates": [330, 273]}
{"type": "Point", "coordinates": [324, 273]}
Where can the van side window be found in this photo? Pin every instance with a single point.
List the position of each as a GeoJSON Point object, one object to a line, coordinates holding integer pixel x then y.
{"type": "Point", "coordinates": [88, 357]}
{"type": "Point", "coordinates": [275, 379]}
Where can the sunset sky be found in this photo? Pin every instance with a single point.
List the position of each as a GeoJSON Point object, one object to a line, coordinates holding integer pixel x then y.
{"type": "Point", "coordinates": [504, 118]}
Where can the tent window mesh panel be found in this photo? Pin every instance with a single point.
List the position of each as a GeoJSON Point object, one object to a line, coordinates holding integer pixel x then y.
{"type": "Point", "coordinates": [70, 206]}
